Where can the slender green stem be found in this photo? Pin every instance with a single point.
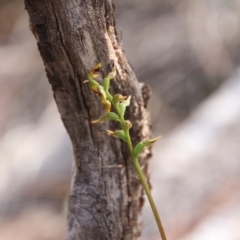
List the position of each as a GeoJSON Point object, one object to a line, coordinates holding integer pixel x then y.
{"type": "Point", "coordinates": [149, 196]}
{"type": "Point", "coordinates": [129, 142]}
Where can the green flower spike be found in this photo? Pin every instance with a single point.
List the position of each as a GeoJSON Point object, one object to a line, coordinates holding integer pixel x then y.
{"type": "Point", "coordinates": [120, 103]}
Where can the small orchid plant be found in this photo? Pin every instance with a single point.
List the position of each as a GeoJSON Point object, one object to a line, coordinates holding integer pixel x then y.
{"type": "Point", "coordinates": [115, 107]}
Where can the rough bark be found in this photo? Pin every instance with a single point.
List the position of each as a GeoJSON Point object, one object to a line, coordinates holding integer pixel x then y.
{"type": "Point", "coordinates": [72, 36]}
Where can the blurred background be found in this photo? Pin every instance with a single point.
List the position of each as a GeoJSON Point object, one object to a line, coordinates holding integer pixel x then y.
{"type": "Point", "coordinates": [189, 53]}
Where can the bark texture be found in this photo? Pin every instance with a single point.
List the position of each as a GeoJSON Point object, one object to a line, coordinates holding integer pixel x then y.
{"type": "Point", "coordinates": [73, 36]}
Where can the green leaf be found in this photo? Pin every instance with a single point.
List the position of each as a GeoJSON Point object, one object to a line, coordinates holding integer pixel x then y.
{"type": "Point", "coordinates": [106, 80]}
{"type": "Point", "coordinates": [122, 109]}
{"type": "Point", "coordinates": [138, 149]}
{"type": "Point", "coordinates": [106, 83]}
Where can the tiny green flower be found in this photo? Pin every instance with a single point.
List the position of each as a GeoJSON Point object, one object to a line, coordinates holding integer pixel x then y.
{"type": "Point", "coordinates": [128, 124]}
{"type": "Point", "coordinates": [95, 71]}
{"type": "Point", "coordinates": [123, 105]}
{"type": "Point", "coordinates": [108, 116]}
{"type": "Point", "coordinates": [150, 142]}
{"type": "Point", "coordinates": [118, 134]}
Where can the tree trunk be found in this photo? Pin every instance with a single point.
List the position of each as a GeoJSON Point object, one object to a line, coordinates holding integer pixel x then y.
{"type": "Point", "coordinates": [73, 36]}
